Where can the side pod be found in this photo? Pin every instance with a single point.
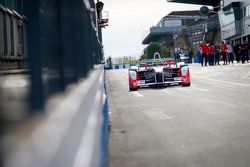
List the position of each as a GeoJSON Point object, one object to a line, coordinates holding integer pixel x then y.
{"type": "Point", "coordinates": [132, 79]}
{"type": "Point", "coordinates": [185, 76]}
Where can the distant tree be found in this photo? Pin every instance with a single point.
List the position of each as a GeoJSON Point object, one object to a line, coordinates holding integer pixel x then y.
{"type": "Point", "coordinates": [143, 57]}
{"type": "Point", "coordinates": [164, 51]}
{"type": "Point", "coordinates": [152, 49]}
{"type": "Point", "coordinates": [169, 52]}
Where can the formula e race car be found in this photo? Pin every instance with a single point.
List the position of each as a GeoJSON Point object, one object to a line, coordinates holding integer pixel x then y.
{"type": "Point", "coordinates": [158, 73]}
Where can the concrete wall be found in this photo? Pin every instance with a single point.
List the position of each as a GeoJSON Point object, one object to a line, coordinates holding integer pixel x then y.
{"type": "Point", "coordinates": [71, 133]}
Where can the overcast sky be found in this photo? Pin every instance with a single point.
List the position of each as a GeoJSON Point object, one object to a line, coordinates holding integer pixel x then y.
{"type": "Point", "coordinates": [129, 23]}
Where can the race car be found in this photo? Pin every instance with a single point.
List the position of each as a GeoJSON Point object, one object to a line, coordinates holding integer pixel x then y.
{"type": "Point", "coordinates": [158, 73]}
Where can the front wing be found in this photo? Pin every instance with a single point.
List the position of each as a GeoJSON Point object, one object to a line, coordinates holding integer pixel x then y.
{"type": "Point", "coordinates": [159, 78]}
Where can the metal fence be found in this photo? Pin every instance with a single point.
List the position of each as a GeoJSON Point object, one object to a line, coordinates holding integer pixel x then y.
{"type": "Point", "coordinates": [63, 45]}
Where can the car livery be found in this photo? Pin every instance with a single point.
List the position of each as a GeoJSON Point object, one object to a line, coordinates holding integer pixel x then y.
{"type": "Point", "coordinates": [158, 73]}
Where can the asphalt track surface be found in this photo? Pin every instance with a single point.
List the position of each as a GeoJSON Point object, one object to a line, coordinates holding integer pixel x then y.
{"type": "Point", "coordinates": [204, 125]}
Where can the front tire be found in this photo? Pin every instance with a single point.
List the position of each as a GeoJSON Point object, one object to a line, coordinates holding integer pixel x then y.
{"type": "Point", "coordinates": [133, 89]}
{"type": "Point", "coordinates": [186, 85]}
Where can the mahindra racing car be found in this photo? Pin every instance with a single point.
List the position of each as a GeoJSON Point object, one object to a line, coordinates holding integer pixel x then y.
{"type": "Point", "coordinates": [158, 72]}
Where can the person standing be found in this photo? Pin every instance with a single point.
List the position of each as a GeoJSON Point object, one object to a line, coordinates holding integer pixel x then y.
{"type": "Point", "coordinates": [217, 53]}
{"type": "Point", "coordinates": [211, 54]}
{"type": "Point", "coordinates": [99, 7]}
{"type": "Point", "coordinates": [247, 51]}
{"type": "Point", "coordinates": [223, 50]}
{"type": "Point", "coordinates": [198, 54]}
{"type": "Point", "coordinates": [102, 21]}
{"type": "Point", "coordinates": [243, 51]}
{"type": "Point", "coordinates": [236, 49]}
{"type": "Point", "coordinates": [204, 50]}
{"type": "Point", "coordinates": [190, 55]}
{"type": "Point", "coordinates": [178, 56]}
{"type": "Point", "coordinates": [230, 53]}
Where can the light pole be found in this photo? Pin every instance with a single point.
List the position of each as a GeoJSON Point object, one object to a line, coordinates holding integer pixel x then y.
{"type": "Point", "coordinates": [162, 45]}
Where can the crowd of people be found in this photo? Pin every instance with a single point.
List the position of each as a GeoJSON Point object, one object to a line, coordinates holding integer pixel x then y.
{"type": "Point", "coordinates": [211, 54]}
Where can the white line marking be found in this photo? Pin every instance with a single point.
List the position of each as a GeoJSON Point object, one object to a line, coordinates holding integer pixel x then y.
{"type": "Point", "coordinates": [88, 139]}
{"type": "Point", "coordinates": [245, 75]}
{"type": "Point", "coordinates": [165, 116]}
{"type": "Point", "coordinates": [180, 89]}
{"type": "Point", "coordinates": [164, 90]}
{"type": "Point", "coordinates": [156, 115]}
{"type": "Point", "coordinates": [184, 89]}
{"type": "Point", "coordinates": [228, 82]}
{"type": "Point", "coordinates": [102, 76]}
{"type": "Point", "coordinates": [138, 94]}
{"type": "Point", "coordinates": [201, 89]}
{"type": "Point", "coordinates": [194, 85]}
{"type": "Point", "coordinates": [216, 102]}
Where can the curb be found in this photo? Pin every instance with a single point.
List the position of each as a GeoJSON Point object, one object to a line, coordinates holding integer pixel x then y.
{"type": "Point", "coordinates": [9, 72]}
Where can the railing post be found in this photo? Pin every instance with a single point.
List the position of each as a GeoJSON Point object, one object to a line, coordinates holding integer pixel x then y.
{"type": "Point", "coordinates": [34, 54]}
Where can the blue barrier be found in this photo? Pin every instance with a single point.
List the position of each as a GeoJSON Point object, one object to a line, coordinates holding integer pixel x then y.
{"type": "Point", "coordinates": [116, 67]}
{"type": "Point", "coordinates": [124, 66]}
{"type": "Point", "coordinates": [105, 127]}
{"type": "Point", "coordinates": [196, 60]}
{"type": "Point", "coordinates": [104, 138]}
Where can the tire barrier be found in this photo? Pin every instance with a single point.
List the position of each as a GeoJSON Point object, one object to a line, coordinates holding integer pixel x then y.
{"type": "Point", "coordinates": [125, 66]}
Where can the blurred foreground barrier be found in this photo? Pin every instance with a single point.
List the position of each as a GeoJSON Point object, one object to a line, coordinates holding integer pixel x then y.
{"type": "Point", "coordinates": [62, 42]}
{"type": "Point", "coordinates": [72, 133]}
{"type": "Point", "coordinates": [63, 92]}
{"type": "Point", "coordinates": [63, 45]}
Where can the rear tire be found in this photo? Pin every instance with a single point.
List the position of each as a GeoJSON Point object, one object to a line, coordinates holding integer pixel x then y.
{"type": "Point", "coordinates": [186, 85]}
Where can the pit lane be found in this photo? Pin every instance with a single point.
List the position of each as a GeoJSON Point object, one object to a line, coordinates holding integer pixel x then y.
{"type": "Point", "coordinates": [206, 124]}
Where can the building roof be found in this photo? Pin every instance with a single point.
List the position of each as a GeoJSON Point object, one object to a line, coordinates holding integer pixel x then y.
{"type": "Point", "coordinates": [154, 36]}
{"type": "Point", "coordinates": [212, 17]}
{"type": "Point", "coordinates": [191, 14]}
{"type": "Point", "coordinates": [188, 12]}
{"type": "Point", "coordinates": [198, 2]}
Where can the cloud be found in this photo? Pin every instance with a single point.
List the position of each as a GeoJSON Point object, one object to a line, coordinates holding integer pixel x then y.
{"type": "Point", "coordinates": [130, 19]}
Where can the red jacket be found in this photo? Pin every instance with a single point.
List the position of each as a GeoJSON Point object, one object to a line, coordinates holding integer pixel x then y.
{"type": "Point", "coordinates": [204, 48]}
{"type": "Point", "coordinates": [223, 48]}
{"type": "Point", "coordinates": [210, 50]}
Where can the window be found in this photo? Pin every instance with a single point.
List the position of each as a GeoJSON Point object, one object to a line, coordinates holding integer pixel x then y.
{"type": "Point", "coordinates": [1, 36]}
{"type": "Point", "coordinates": [227, 17]}
{"type": "Point", "coordinates": [244, 11]}
{"type": "Point", "coordinates": [9, 35]}
{"type": "Point", "coordinates": [172, 23]}
{"type": "Point", "coordinates": [247, 10]}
